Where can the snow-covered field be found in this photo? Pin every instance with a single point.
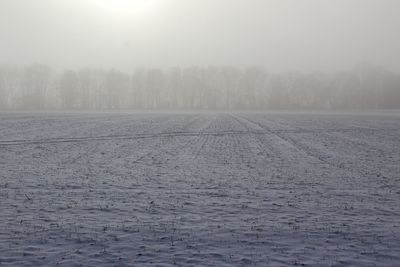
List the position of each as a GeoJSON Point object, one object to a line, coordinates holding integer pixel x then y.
{"type": "Point", "coordinates": [208, 189]}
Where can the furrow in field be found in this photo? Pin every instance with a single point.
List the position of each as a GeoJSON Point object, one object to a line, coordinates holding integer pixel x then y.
{"type": "Point", "coordinates": [297, 147]}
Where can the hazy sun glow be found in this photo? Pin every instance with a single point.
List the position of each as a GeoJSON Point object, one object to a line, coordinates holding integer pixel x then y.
{"type": "Point", "coordinates": [127, 7]}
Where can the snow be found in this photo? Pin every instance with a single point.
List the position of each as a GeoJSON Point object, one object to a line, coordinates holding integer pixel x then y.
{"type": "Point", "coordinates": [206, 189]}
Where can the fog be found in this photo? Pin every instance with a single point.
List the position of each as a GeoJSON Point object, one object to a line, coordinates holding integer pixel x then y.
{"type": "Point", "coordinates": [280, 34]}
{"type": "Point", "coordinates": [279, 38]}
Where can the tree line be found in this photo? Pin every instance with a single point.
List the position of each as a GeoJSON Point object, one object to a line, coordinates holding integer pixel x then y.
{"type": "Point", "coordinates": [38, 87]}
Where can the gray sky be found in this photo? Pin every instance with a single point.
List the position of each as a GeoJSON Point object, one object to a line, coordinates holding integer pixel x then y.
{"type": "Point", "coordinates": [279, 34]}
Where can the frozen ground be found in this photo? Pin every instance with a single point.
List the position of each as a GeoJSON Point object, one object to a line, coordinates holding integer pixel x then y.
{"type": "Point", "coordinates": [200, 189]}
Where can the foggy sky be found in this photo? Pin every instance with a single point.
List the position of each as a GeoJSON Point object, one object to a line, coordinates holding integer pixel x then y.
{"type": "Point", "coordinates": [279, 34]}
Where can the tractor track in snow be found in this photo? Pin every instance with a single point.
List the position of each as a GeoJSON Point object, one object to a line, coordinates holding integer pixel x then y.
{"type": "Point", "coordinates": [56, 140]}
{"type": "Point", "coordinates": [299, 147]}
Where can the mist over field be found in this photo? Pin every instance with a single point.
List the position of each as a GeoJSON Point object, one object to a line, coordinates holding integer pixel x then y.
{"type": "Point", "coordinates": [196, 88]}
{"type": "Point", "coordinates": [199, 133]}
{"type": "Point", "coordinates": [176, 54]}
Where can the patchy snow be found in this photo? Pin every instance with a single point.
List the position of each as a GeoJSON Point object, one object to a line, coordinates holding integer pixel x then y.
{"type": "Point", "coordinates": [200, 189]}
